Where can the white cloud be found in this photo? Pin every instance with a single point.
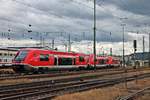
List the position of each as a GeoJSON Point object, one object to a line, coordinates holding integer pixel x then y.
{"type": "Point", "coordinates": [70, 16]}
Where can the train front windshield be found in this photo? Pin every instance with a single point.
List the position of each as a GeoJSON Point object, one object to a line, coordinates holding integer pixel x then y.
{"type": "Point", "coordinates": [21, 55]}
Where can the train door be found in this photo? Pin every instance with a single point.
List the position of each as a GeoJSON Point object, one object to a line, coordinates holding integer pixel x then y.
{"type": "Point", "coordinates": [65, 61]}
{"type": "Point", "coordinates": [44, 60]}
{"type": "Point", "coordinates": [74, 61]}
{"type": "Point", "coordinates": [55, 61]}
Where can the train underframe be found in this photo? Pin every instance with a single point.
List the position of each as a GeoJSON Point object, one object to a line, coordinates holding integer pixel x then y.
{"type": "Point", "coordinates": [24, 68]}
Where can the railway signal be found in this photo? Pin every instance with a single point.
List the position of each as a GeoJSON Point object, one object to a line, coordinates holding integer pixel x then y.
{"type": "Point", "coordinates": [135, 49]}
{"type": "Point", "coordinates": [135, 45]}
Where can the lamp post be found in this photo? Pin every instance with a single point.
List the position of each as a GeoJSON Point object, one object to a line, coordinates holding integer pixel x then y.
{"type": "Point", "coordinates": [123, 52]}
{"type": "Point", "coordinates": [69, 43]}
{"type": "Point", "coordinates": [110, 47]}
{"type": "Point", "coordinates": [29, 31]}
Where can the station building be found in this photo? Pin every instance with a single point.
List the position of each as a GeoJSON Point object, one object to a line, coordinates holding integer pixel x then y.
{"type": "Point", "coordinates": [7, 55]}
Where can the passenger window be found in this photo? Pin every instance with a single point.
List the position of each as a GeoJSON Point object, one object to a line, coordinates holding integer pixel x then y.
{"type": "Point", "coordinates": [44, 57]}
{"type": "Point", "coordinates": [81, 59]}
{"type": "Point", "coordinates": [102, 61]}
{"type": "Point", "coordinates": [64, 61]}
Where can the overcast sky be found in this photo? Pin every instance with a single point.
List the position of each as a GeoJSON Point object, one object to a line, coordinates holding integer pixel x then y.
{"type": "Point", "coordinates": [55, 19]}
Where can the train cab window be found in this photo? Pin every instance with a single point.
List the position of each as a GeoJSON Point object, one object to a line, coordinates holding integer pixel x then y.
{"type": "Point", "coordinates": [44, 57]}
{"type": "Point", "coordinates": [65, 61]}
{"type": "Point", "coordinates": [81, 59]}
{"type": "Point", "coordinates": [0, 54]}
{"type": "Point", "coordinates": [21, 55]}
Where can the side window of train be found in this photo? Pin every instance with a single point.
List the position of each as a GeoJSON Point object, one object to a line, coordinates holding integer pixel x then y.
{"type": "Point", "coordinates": [64, 61]}
{"type": "Point", "coordinates": [81, 58]}
{"type": "Point", "coordinates": [44, 57]}
{"type": "Point", "coordinates": [102, 61]}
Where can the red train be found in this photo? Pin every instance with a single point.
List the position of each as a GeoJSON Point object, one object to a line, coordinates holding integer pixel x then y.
{"type": "Point", "coordinates": [38, 60]}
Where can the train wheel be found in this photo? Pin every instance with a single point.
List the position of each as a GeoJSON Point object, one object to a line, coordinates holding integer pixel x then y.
{"type": "Point", "coordinates": [90, 67]}
{"type": "Point", "coordinates": [35, 71]}
{"type": "Point", "coordinates": [81, 68]}
{"type": "Point", "coordinates": [41, 70]}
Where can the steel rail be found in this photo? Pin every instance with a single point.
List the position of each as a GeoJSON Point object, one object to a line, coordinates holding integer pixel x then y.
{"type": "Point", "coordinates": [24, 90]}
{"type": "Point", "coordinates": [133, 95]}
{"type": "Point", "coordinates": [56, 74]}
{"type": "Point", "coordinates": [59, 80]}
{"type": "Point", "coordinates": [52, 74]}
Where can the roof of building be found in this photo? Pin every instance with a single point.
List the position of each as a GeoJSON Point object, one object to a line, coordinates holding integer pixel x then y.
{"type": "Point", "coordinates": [9, 49]}
{"type": "Point", "coordinates": [141, 56]}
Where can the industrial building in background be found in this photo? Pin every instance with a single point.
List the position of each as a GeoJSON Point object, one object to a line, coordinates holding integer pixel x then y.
{"type": "Point", "coordinates": [137, 59]}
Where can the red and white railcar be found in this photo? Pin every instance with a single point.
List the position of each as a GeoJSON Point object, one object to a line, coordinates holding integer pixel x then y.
{"type": "Point", "coordinates": [103, 61]}
{"type": "Point", "coordinates": [35, 59]}
{"type": "Point", "coordinates": [113, 61]}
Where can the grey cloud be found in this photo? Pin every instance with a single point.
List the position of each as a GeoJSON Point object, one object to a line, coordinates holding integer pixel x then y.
{"type": "Point", "coordinates": [135, 6]}
{"type": "Point", "coordinates": [63, 16]}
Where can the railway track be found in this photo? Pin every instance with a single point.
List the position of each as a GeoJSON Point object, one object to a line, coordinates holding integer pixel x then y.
{"type": "Point", "coordinates": [136, 94]}
{"type": "Point", "coordinates": [52, 74]}
{"type": "Point", "coordinates": [48, 89]}
{"type": "Point", "coordinates": [60, 79]}
{"type": "Point", "coordinates": [64, 73]}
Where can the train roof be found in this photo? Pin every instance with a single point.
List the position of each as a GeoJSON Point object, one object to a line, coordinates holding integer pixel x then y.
{"type": "Point", "coordinates": [53, 51]}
